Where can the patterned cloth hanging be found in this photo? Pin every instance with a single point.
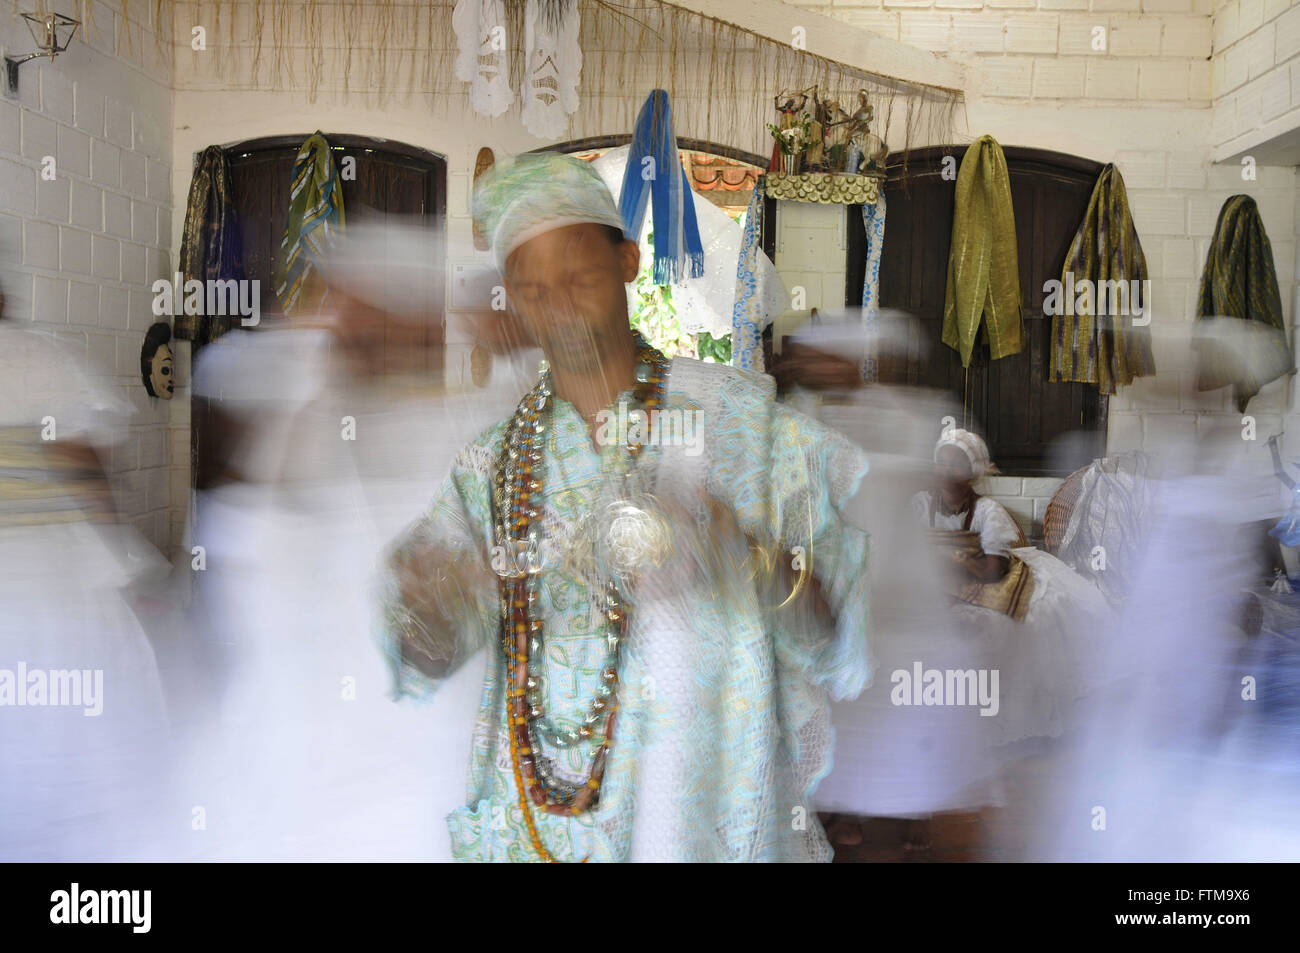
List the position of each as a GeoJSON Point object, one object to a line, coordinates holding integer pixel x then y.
{"type": "Point", "coordinates": [654, 176]}
{"type": "Point", "coordinates": [210, 245]}
{"type": "Point", "coordinates": [873, 220]}
{"type": "Point", "coordinates": [1091, 346]}
{"type": "Point", "coordinates": [983, 264]}
{"type": "Point", "coordinates": [315, 218]}
{"type": "Point", "coordinates": [480, 28]}
{"type": "Point", "coordinates": [554, 63]}
{"type": "Point", "coordinates": [748, 319]}
{"type": "Point", "coordinates": [1239, 281]}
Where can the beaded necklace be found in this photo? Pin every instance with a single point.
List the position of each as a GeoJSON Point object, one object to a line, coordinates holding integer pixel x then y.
{"type": "Point", "coordinates": [518, 487]}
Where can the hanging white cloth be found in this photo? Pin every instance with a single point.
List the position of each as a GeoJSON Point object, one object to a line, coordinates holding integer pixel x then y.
{"type": "Point", "coordinates": [481, 60]}
{"type": "Point", "coordinates": [552, 68]}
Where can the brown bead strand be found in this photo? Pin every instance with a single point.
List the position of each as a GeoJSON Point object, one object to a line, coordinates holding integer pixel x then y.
{"type": "Point", "coordinates": [521, 629]}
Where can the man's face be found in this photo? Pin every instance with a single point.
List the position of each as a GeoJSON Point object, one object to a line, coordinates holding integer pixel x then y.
{"type": "Point", "coordinates": [567, 287]}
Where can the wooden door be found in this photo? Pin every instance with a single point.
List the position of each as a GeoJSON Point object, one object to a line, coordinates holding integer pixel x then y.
{"type": "Point", "coordinates": [392, 182]}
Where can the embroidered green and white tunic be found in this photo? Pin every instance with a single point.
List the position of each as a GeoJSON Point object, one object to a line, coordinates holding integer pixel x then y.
{"type": "Point", "coordinates": [724, 724]}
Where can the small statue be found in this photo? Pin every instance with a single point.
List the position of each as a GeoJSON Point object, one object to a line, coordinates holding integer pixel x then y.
{"type": "Point", "coordinates": [866, 151]}
{"type": "Point", "coordinates": [836, 136]}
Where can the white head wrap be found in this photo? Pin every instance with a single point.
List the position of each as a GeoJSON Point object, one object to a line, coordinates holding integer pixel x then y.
{"type": "Point", "coordinates": [971, 444]}
{"type": "Point", "coordinates": [537, 192]}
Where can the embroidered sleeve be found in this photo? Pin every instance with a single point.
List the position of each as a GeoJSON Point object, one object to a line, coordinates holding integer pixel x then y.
{"type": "Point", "coordinates": [789, 480]}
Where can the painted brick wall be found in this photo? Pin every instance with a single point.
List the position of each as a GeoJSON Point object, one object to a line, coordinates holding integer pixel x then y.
{"type": "Point", "coordinates": [79, 252]}
{"type": "Point", "coordinates": [1256, 69]}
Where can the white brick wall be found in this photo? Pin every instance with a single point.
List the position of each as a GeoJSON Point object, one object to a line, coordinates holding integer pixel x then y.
{"type": "Point", "coordinates": [810, 254]}
{"type": "Point", "coordinates": [1255, 71]}
{"type": "Point", "coordinates": [1025, 498]}
{"type": "Point", "coordinates": [75, 252]}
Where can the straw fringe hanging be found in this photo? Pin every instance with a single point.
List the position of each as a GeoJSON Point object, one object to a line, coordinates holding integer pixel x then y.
{"type": "Point", "coordinates": [720, 78]}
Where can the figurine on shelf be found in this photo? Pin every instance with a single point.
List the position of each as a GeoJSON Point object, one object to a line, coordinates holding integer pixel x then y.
{"type": "Point", "coordinates": [814, 153]}
{"type": "Point", "coordinates": [790, 103]}
{"type": "Point", "coordinates": [836, 137]}
{"type": "Point", "coordinates": [866, 151]}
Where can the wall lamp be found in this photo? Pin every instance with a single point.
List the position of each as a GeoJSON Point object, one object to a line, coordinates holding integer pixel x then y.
{"type": "Point", "coordinates": [52, 33]}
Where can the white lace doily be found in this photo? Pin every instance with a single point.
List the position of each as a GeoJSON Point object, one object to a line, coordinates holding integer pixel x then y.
{"type": "Point", "coordinates": [480, 27]}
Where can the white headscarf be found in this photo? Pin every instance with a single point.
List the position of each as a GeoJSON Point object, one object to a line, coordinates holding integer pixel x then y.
{"type": "Point", "coordinates": [517, 200]}
{"type": "Point", "coordinates": [971, 444]}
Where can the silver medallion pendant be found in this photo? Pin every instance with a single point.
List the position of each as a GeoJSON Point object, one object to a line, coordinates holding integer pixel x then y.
{"type": "Point", "coordinates": [631, 536]}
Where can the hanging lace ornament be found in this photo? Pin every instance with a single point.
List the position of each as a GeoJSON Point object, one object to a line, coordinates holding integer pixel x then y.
{"type": "Point", "coordinates": [552, 66]}
{"type": "Point", "coordinates": [480, 27]}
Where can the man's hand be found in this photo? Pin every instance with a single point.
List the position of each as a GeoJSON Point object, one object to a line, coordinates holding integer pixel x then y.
{"type": "Point", "coordinates": [437, 592]}
{"type": "Point", "coordinates": [728, 557]}
{"type": "Point", "coordinates": [814, 369]}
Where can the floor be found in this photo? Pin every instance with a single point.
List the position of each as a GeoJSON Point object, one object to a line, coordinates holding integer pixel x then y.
{"type": "Point", "coordinates": [988, 835]}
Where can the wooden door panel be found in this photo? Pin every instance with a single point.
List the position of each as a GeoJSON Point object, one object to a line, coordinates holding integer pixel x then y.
{"type": "Point", "coordinates": [392, 182]}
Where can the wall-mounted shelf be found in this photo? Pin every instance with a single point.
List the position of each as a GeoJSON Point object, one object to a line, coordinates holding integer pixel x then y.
{"type": "Point", "coordinates": [823, 188]}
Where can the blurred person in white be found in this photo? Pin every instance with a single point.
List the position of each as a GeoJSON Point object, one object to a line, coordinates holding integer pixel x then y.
{"type": "Point", "coordinates": [1043, 623]}
{"type": "Point", "coordinates": [83, 728]}
{"type": "Point", "coordinates": [1181, 762]}
{"type": "Point", "coordinates": [321, 456]}
{"type": "Point", "coordinates": [892, 760]}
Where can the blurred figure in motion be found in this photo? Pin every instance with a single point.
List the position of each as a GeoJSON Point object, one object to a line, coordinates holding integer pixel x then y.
{"type": "Point", "coordinates": [656, 558]}
{"type": "Point", "coordinates": [946, 603]}
{"type": "Point", "coordinates": [83, 728]}
{"type": "Point", "coordinates": [1179, 760]}
{"type": "Point", "coordinates": [317, 455]}
{"type": "Point", "coordinates": [893, 758]}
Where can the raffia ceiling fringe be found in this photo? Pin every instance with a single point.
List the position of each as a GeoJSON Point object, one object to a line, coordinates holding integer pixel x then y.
{"type": "Point", "coordinates": [721, 78]}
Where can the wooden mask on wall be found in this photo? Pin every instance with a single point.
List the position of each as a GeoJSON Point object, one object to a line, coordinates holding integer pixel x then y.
{"type": "Point", "coordinates": [156, 361]}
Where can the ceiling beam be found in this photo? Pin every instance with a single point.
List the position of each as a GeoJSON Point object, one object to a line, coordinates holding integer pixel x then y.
{"type": "Point", "coordinates": [834, 40]}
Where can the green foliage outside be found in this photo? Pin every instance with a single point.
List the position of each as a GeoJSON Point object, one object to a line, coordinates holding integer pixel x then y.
{"type": "Point", "coordinates": [655, 316]}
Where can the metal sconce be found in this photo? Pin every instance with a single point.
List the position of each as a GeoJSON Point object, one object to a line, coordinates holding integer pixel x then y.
{"type": "Point", "coordinates": [52, 33]}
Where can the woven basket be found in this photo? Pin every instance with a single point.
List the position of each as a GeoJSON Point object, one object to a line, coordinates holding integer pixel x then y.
{"type": "Point", "coordinates": [1057, 517]}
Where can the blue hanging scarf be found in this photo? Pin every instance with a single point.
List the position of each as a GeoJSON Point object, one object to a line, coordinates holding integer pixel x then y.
{"type": "Point", "coordinates": [676, 232]}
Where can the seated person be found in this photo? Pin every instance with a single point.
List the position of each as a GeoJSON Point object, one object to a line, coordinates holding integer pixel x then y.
{"type": "Point", "coordinates": [975, 532]}
{"type": "Point", "coordinates": [1037, 620]}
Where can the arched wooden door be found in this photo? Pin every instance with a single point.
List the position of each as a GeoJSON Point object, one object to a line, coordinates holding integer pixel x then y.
{"type": "Point", "coordinates": [393, 181]}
